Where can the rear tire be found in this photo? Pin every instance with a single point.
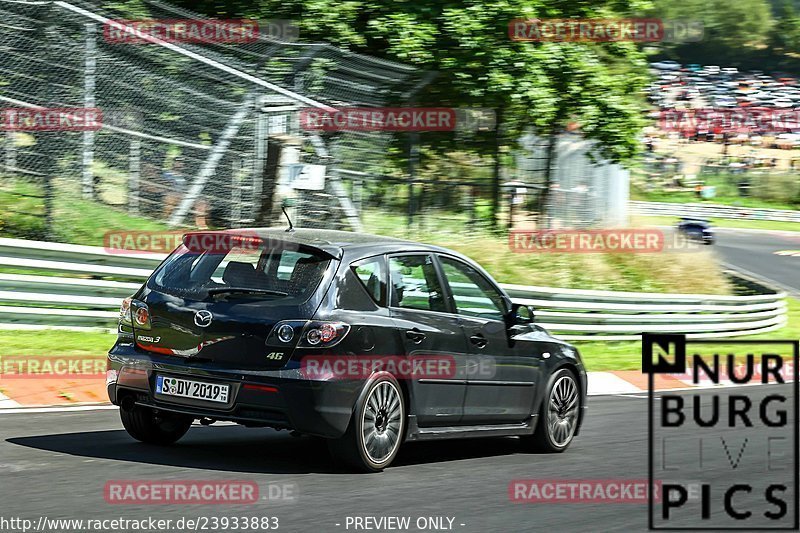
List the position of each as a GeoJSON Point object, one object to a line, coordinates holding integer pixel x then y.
{"type": "Point", "coordinates": [376, 428]}
{"type": "Point", "coordinates": [558, 414]}
{"type": "Point", "coordinates": [146, 425]}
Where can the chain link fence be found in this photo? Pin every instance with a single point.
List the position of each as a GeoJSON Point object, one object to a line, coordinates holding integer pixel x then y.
{"type": "Point", "coordinates": [192, 134]}
{"type": "Point", "coordinates": [208, 135]}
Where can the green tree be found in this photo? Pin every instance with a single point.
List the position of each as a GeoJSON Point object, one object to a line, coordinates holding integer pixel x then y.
{"type": "Point", "coordinates": [785, 34]}
{"type": "Point", "coordinates": [732, 30]}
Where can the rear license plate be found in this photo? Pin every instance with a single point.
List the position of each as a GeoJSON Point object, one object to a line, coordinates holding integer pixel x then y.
{"type": "Point", "coordinates": [198, 390]}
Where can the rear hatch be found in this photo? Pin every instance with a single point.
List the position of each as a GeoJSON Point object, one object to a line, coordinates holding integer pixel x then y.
{"type": "Point", "coordinates": [218, 300]}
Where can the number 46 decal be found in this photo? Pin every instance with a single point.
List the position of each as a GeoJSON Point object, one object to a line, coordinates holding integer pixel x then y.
{"type": "Point", "coordinates": [275, 355]}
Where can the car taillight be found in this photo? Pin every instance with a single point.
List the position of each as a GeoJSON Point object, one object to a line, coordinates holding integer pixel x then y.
{"type": "Point", "coordinates": [136, 314]}
{"type": "Point", "coordinates": [142, 316]}
{"type": "Point", "coordinates": [125, 312]}
{"type": "Point", "coordinates": [307, 334]}
{"type": "Point", "coordinates": [323, 334]}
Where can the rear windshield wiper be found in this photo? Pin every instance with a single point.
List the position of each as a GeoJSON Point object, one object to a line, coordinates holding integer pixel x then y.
{"type": "Point", "coordinates": [244, 290]}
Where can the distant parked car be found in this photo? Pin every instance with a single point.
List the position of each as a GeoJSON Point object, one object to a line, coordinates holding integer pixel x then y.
{"type": "Point", "coordinates": [696, 229]}
{"type": "Point", "coordinates": [666, 65]}
{"type": "Point", "coordinates": [724, 101]}
{"type": "Point", "coordinates": [787, 140]}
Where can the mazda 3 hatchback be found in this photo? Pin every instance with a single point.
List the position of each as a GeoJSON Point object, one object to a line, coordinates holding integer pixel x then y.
{"type": "Point", "coordinates": [366, 341]}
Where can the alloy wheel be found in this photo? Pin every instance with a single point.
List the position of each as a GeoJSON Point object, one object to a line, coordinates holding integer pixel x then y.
{"type": "Point", "coordinates": [381, 422]}
{"type": "Point", "coordinates": [562, 413]}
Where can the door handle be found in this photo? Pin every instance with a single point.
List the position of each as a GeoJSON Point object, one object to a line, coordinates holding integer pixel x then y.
{"type": "Point", "coordinates": [415, 335]}
{"type": "Point", "coordinates": [478, 340]}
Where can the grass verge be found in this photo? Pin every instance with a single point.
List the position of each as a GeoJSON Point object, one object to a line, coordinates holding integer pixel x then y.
{"type": "Point", "coordinates": [675, 272]}
{"type": "Point", "coordinates": [720, 223]}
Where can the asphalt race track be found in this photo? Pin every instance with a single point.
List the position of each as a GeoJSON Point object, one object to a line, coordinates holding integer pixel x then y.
{"type": "Point", "coordinates": [57, 464]}
{"type": "Point", "coordinates": [754, 252]}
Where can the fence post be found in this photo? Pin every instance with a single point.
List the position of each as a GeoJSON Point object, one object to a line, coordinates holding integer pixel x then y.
{"type": "Point", "coordinates": [134, 174]}
{"type": "Point", "coordinates": [11, 151]}
{"type": "Point", "coordinates": [260, 157]}
{"type": "Point", "coordinates": [236, 192]}
{"type": "Point", "coordinates": [89, 72]}
{"type": "Point", "coordinates": [413, 160]}
{"type": "Point", "coordinates": [46, 145]}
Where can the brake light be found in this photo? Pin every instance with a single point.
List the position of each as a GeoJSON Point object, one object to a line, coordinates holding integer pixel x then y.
{"type": "Point", "coordinates": [327, 332]}
{"type": "Point", "coordinates": [142, 316]}
{"type": "Point", "coordinates": [136, 312]}
{"type": "Point", "coordinates": [323, 334]}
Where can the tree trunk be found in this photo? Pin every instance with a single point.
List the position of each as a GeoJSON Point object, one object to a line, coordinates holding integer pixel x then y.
{"type": "Point", "coordinates": [544, 193]}
{"type": "Point", "coordinates": [496, 172]}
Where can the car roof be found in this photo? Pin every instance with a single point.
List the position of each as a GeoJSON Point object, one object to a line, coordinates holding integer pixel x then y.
{"type": "Point", "coordinates": [336, 243]}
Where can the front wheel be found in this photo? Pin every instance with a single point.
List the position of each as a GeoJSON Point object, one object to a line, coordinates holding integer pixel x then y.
{"type": "Point", "coordinates": [146, 425]}
{"type": "Point", "coordinates": [376, 428]}
{"type": "Point", "coordinates": [558, 416]}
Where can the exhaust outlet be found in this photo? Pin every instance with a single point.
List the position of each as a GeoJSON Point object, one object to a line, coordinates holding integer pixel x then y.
{"type": "Point", "coordinates": [127, 404]}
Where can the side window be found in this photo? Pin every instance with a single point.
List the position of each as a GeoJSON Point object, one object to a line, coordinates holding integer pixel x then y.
{"type": "Point", "coordinates": [371, 273]}
{"type": "Point", "coordinates": [414, 283]}
{"type": "Point", "coordinates": [474, 295]}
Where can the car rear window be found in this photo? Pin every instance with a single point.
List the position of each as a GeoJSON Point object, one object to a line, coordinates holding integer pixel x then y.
{"type": "Point", "coordinates": [264, 270]}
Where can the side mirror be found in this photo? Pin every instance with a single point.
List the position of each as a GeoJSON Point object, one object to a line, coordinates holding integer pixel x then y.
{"type": "Point", "coordinates": [521, 314]}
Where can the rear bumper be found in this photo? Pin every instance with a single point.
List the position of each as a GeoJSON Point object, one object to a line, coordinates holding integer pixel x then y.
{"type": "Point", "coordinates": [276, 398]}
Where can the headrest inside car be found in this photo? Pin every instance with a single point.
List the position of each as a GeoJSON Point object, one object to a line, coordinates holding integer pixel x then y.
{"type": "Point", "coordinates": [239, 274]}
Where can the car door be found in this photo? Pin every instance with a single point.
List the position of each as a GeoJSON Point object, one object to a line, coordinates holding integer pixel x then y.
{"type": "Point", "coordinates": [429, 329]}
{"type": "Point", "coordinates": [502, 372]}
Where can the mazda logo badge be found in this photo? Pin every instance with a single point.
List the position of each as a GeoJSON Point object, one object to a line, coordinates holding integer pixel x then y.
{"type": "Point", "coordinates": [203, 318]}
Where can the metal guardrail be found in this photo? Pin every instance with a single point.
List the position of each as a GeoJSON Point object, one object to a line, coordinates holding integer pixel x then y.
{"type": "Point", "coordinates": [713, 211]}
{"type": "Point", "coordinates": [43, 297]}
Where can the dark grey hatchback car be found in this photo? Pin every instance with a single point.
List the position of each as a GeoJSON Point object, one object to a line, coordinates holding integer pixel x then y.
{"type": "Point", "coordinates": [366, 341]}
